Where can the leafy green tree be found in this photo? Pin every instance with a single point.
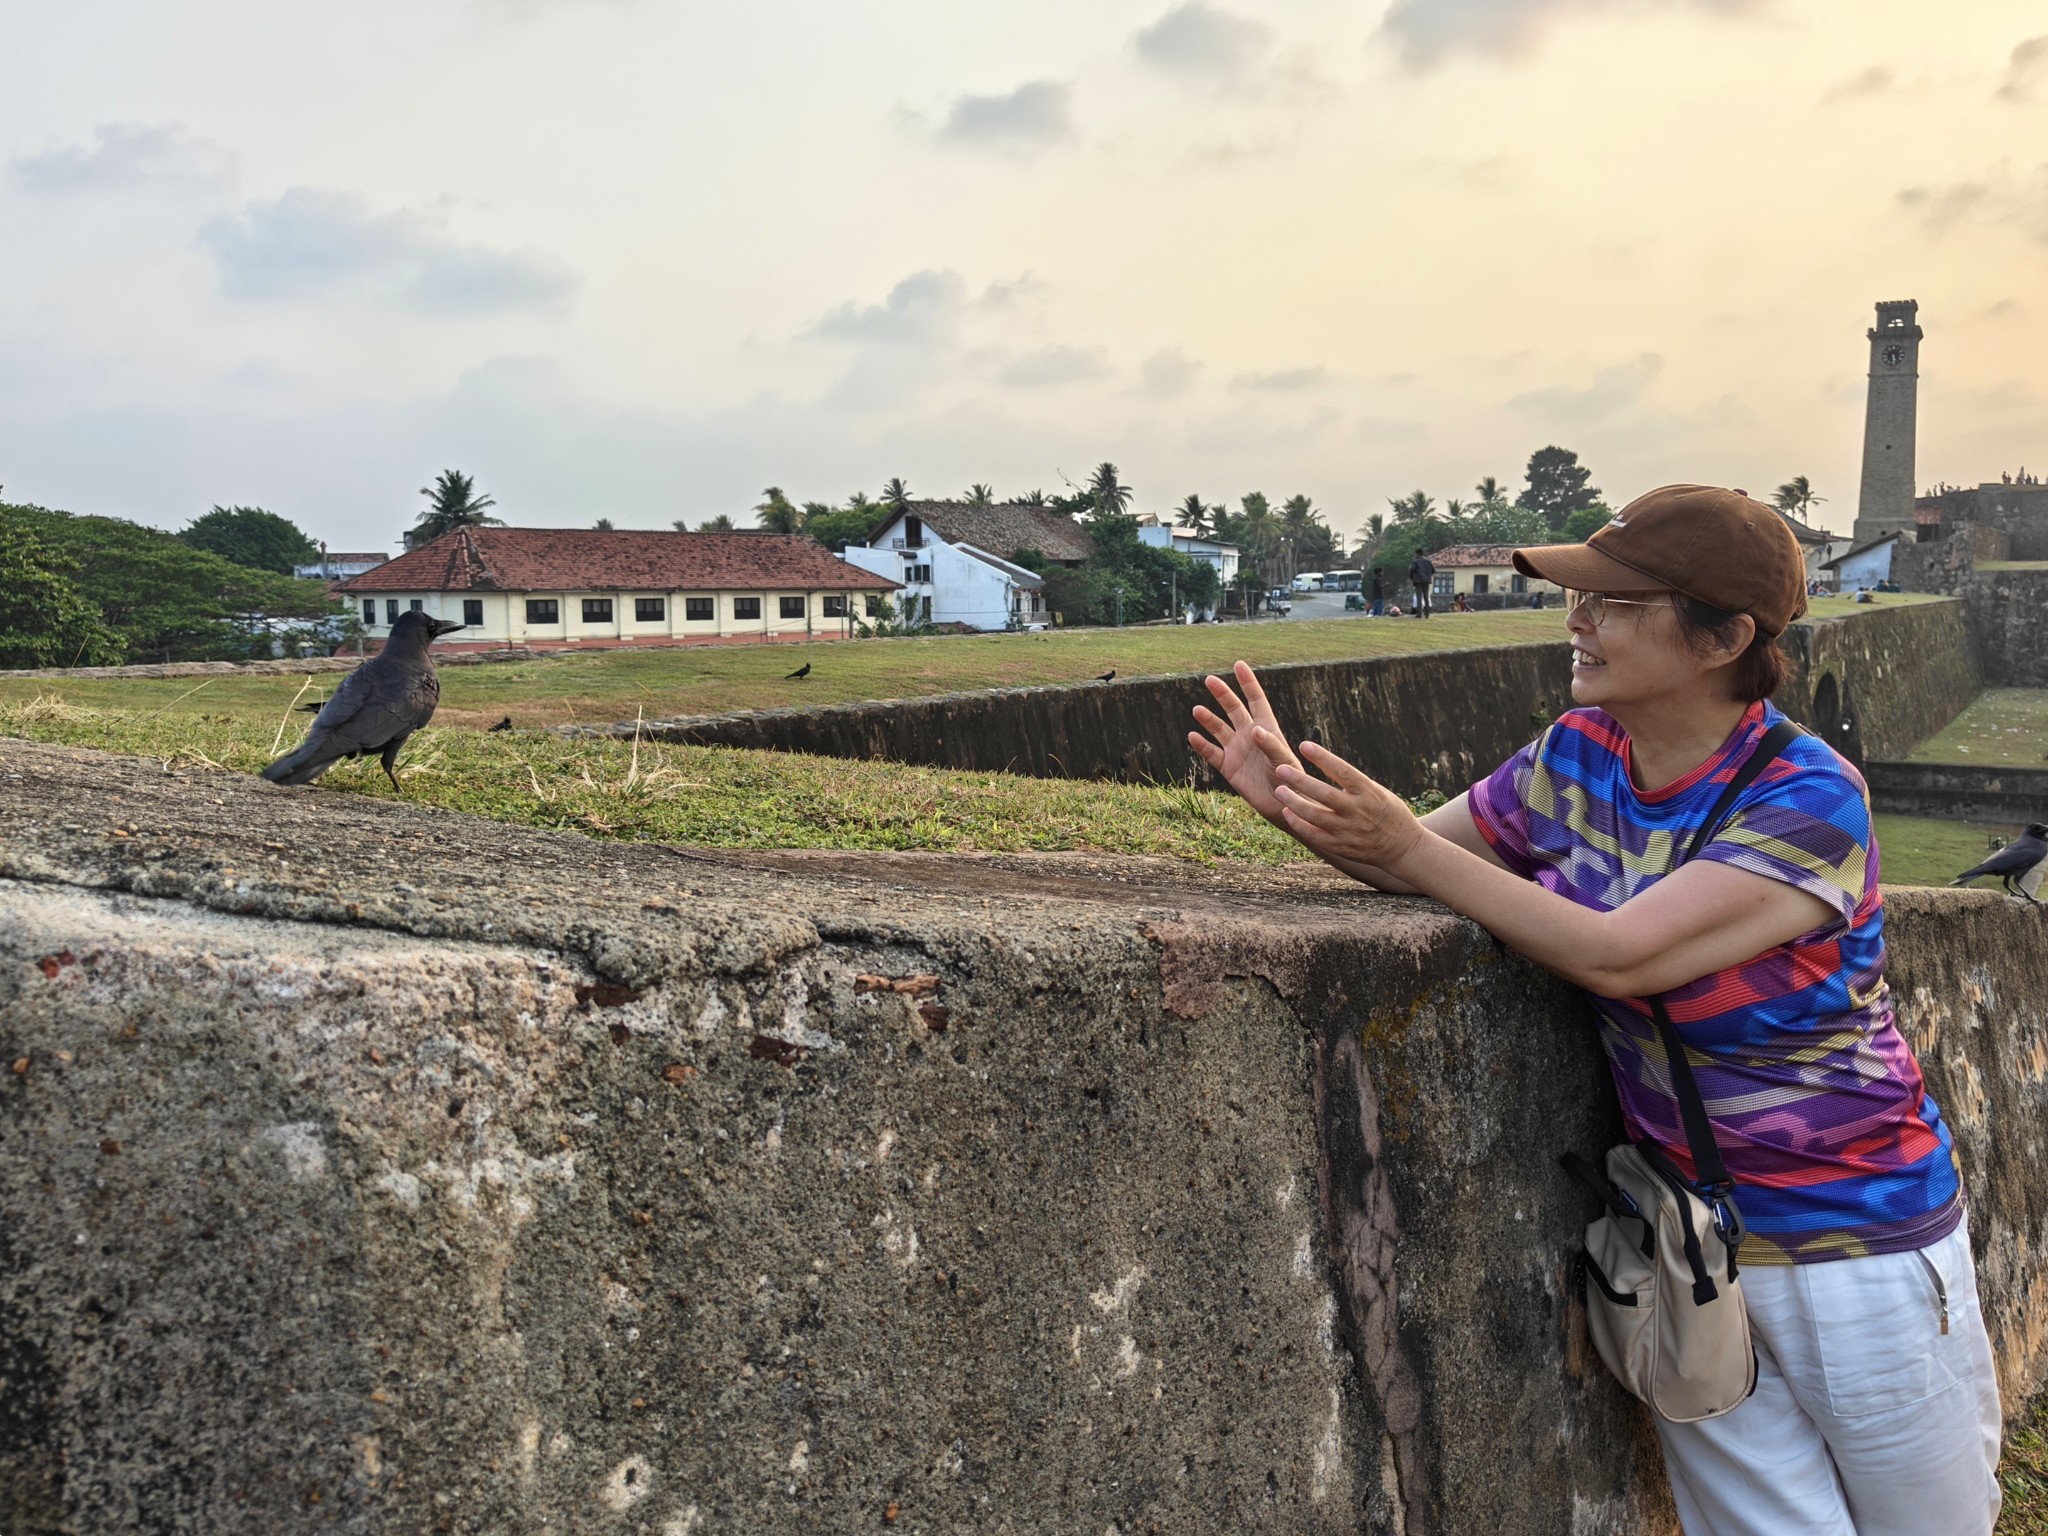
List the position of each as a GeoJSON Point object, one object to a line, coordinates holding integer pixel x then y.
{"type": "Point", "coordinates": [896, 495]}
{"type": "Point", "coordinates": [1107, 494]}
{"type": "Point", "coordinates": [855, 523]}
{"type": "Point", "coordinates": [1557, 486]}
{"type": "Point", "coordinates": [1795, 498]}
{"type": "Point", "coordinates": [45, 621]}
{"type": "Point", "coordinates": [163, 599]}
{"type": "Point", "coordinates": [1586, 522]}
{"type": "Point", "coordinates": [250, 536]}
{"type": "Point", "coordinates": [722, 523]}
{"type": "Point", "coordinates": [813, 510]}
{"type": "Point", "coordinates": [1502, 522]}
{"type": "Point", "coordinates": [452, 502]}
{"type": "Point", "coordinates": [777, 513]}
{"type": "Point", "coordinates": [979, 495]}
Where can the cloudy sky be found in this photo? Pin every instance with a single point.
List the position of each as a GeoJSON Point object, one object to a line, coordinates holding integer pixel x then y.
{"type": "Point", "coordinates": [642, 258]}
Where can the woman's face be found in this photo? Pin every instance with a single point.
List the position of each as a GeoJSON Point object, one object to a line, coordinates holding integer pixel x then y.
{"type": "Point", "coordinates": [1633, 655]}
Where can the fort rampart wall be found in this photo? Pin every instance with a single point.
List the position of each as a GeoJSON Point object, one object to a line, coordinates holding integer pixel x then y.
{"type": "Point", "coordinates": [376, 1169]}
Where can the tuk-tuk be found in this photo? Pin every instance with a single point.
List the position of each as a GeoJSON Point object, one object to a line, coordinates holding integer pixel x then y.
{"type": "Point", "coordinates": [1354, 602]}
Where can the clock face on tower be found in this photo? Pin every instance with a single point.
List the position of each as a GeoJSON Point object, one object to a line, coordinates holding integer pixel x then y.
{"type": "Point", "coordinates": [1894, 355]}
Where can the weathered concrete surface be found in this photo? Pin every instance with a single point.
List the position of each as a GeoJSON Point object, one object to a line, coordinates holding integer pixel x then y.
{"type": "Point", "coordinates": [1958, 791]}
{"type": "Point", "coordinates": [377, 1169]}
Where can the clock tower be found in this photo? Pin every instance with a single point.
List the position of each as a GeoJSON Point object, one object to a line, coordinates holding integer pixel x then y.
{"type": "Point", "coordinates": [1884, 504]}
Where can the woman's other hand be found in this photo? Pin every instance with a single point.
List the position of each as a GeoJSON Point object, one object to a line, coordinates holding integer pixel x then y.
{"type": "Point", "coordinates": [1346, 817]}
{"type": "Point", "coordinates": [1233, 745]}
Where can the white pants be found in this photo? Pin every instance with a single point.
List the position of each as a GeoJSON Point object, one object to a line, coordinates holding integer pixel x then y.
{"type": "Point", "coordinates": [1867, 1419]}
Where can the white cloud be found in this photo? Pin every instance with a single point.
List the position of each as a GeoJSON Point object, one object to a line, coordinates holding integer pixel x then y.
{"type": "Point", "coordinates": [1167, 373]}
{"type": "Point", "coordinates": [1030, 118]}
{"type": "Point", "coordinates": [1200, 41]}
{"type": "Point", "coordinates": [1612, 390]}
{"type": "Point", "coordinates": [1874, 81]}
{"type": "Point", "coordinates": [1284, 379]}
{"type": "Point", "coordinates": [922, 310]}
{"type": "Point", "coordinates": [1053, 365]}
{"type": "Point", "coordinates": [1425, 32]}
{"type": "Point", "coordinates": [2028, 68]}
{"type": "Point", "coordinates": [126, 157]}
{"type": "Point", "coordinates": [314, 244]}
{"type": "Point", "coordinates": [2001, 199]}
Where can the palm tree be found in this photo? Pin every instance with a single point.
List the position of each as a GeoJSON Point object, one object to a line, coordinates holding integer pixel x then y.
{"type": "Point", "coordinates": [1028, 499]}
{"type": "Point", "coordinates": [1795, 498]}
{"type": "Point", "coordinates": [1258, 532]}
{"type": "Point", "coordinates": [1456, 513]}
{"type": "Point", "coordinates": [1416, 507]}
{"type": "Point", "coordinates": [858, 502]}
{"type": "Point", "coordinates": [777, 514]}
{"type": "Point", "coordinates": [603, 525]}
{"type": "Point", "coordinates": [813, 510]}
{"type": "Point", "coordinates": [1490, 492]}
{"type": "Point", "coordinates": [896, 495]}
{"type": "Point", "coordinates": [979, 495]}
{"type": "Point", "coordinates": [681, 525]}
{"type": "Point", "coordinates": [1193, 516]}
{"type": "Point", "coordinates": [454, 504]}
{"type": "Point", "coordinates": [719, 524]}
{"type": "Point", "coordinates": [1108, 494]}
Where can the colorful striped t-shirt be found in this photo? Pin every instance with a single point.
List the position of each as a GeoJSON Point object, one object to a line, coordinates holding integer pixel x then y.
{"type": "Point", "coordinates": [1815, 1098]}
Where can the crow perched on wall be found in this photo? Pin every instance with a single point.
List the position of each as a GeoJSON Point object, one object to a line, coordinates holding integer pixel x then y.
{"type": "Point", "coordinates": [2018, 865]}
{"type": "Point", "coordinates": [376, 707]}
{"type": "Point", "coordinates": [1109, 676]}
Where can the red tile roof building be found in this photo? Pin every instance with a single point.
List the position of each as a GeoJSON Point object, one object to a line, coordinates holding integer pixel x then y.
{"type": "Point", "coordinates": [595, 587]}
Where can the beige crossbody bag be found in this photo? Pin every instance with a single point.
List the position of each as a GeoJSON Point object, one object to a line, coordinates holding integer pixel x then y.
{"type": "Point", "coordinates": [1663, 1302]}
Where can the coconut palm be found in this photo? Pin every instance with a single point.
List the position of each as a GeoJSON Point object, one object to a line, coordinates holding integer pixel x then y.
{"type": "Point", "coordinates": [454, 503]}
{"type": "Point", "coordinates": [681, 525]}
{"type": "Point", "coordinates": [1192, 515]}
{"type": "Point", "coordinates": [777, 513]}
{"type": "Point", "coordinates": [979, 495]}
{"type": "Point", "coordinates": [719, 524]}
{"type": "Point", "coordinates": [1795, 498]}
{"type": "Point", "coordinates": [1106, 492]}
{"type": "Point", "coordinates": [1490, 492]}
{"type": "Point", "coordinates": [603, 525]}
{"type": "Point", "coordinates": [1417, 507]}
{"type": "Point", "coordinates": [1028, 499]}
{"type": "Point", "coordinates": [896, 496]}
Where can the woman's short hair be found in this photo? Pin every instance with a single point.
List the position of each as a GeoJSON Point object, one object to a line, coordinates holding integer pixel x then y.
{"type": "Point", "coordinates": [1757, 673]}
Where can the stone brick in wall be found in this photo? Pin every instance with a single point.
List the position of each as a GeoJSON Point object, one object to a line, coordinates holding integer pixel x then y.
{"type": "Point", "coordinates": [2009, 619]}
{"type": "Point", "coordinates": [1958, 792]}
{"type": "Point", "coordinates": [378, 1169]}
{"type": "Point", "coordinates": [1878, 684]}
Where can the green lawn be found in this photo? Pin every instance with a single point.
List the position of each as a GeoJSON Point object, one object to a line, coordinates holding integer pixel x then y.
{"type": "Point", "coordinates": [2001, 728]}
{"type": "Point", "coordinates": [601, 686]}
{"type": "Point", "coordinates": [1917, 850]}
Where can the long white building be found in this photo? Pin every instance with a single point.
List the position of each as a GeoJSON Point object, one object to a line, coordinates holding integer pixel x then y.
{"type": "Point", "coordinates": [561, 588]}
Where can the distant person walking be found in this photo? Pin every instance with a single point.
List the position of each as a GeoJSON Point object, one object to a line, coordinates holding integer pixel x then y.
{"type": "Point", "coordinates": [1379, 593]}
{"type": "Point", "coordinates": [1421, 573]}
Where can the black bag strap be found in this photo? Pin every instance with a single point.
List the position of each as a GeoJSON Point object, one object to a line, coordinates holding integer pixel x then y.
{"type": "Point", "coordinates": [1710, 1173]}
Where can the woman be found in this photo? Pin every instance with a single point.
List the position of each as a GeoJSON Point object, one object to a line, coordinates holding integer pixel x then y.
{"type": "Point", "coordinates": [1876, 1409]}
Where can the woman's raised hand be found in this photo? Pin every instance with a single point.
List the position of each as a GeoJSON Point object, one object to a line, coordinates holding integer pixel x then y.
{"type": "Point", "coordinates": [1243, 743]}
{"type": "Point", "coordinates": [1347, 816]}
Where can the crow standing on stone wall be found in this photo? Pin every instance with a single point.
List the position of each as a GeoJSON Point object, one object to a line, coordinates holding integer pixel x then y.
{"type": "Point", "coordinates": [2019, 864]}
{"type": "Point", "coordinates": [376, 707]}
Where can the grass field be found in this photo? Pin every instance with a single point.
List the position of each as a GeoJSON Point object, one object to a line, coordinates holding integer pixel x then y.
{"type": "Point", "coordinates": [2001, 728]}
{"type": "Point", "coordinates": [600, 686]}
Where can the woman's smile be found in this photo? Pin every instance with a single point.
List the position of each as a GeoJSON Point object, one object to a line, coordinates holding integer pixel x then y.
{"type": "Point", "coordinates": [1584, 660]}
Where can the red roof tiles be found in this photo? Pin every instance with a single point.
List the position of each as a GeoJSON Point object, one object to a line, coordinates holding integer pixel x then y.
{"type": "Point", "coordinates": [615, 560]}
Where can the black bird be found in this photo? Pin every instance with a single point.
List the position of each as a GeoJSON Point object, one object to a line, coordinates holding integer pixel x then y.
{"type": "Point", "coordinates": [376, 707]}
{"type": "Point", "coordinates": [2018, 865]}
{"type": "Point", "coordinates": [313, 706]}
{"type": "Point", "coordinates": [1105, 677]}
{"type": "Point", "coordinates": [504, 724]}
{"type": "Point", "coordinates": [802, 671]}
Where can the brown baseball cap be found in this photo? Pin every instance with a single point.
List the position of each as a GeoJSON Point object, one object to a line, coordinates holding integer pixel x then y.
{"type": "Point", "coordinates": [1720, 546]}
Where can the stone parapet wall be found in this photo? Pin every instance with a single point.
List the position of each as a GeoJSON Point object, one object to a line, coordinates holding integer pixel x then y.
{"type": "Point", "coordinates": [1958, 792]}
{"type": "Point", "coordinates": [1879, 684]}
{"type": "Point", "coordinates": [378, 1169]}
{"type": "Point", "coordinates": [1434, 721]}
{"type": "Point", "coordinates": [2009, 622]}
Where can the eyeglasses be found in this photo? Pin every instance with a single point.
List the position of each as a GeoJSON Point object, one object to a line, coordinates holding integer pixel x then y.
{"type": "Point", "coordinates": [1595, 604]}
